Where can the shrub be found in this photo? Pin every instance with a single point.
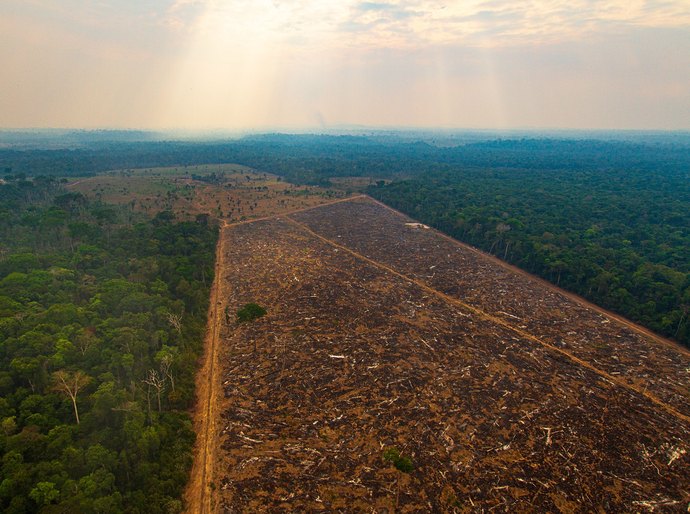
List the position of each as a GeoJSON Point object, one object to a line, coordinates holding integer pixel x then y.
{"type": "Point", "coordinates": [401, 462]}
{"type": "Point", "coordinates": [250, 312]}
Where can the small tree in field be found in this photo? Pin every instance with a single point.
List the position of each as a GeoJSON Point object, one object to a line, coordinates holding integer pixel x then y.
{"type": "Point", "coordinates": [401, 462]}
{"type": "Point", "coordinates": [250, 312]}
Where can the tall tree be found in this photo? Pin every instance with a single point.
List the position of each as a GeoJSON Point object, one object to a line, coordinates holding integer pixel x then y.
{"type": "Point", "coordinates": [153, 379]}
{"type": "Point", "coordinates": [70, 383]}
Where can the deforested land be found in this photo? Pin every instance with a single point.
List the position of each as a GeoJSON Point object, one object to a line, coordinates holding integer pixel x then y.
{"type": "Point", "coordinates": [397, 370]}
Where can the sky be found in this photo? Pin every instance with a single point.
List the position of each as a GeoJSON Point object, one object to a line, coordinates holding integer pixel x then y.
{"type": "Point", "coordinates": [296, 64]}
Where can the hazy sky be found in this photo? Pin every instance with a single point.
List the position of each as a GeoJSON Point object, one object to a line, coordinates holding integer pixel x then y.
{"type": "Point", "coordinates": [248, 64]}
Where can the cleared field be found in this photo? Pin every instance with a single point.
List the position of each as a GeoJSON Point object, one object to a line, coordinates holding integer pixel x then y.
{"type": "Point", "coordinates": [506, 394]}
{"type": "Point", "coordinates": [527, 304]}
{"type": "Point", "coordinates": [224, 191]}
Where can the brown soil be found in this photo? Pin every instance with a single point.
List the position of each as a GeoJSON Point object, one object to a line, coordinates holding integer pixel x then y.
{"type": "Point", "coordinates": [507, 394]}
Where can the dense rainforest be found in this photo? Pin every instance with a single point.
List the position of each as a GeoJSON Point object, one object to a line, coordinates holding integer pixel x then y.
{"type": "Point", "coordinates": [314, 159]}
{"type": "Point", "coordinates": [102, 316]}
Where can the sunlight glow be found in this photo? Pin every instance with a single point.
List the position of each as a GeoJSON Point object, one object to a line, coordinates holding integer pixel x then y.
{"type": "Point", "coordinates": [263, 63]}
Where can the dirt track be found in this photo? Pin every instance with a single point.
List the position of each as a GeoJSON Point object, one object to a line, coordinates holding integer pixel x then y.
{"type": "Point", "coordinates": [198, 496]}
{"type": "Point", "coordinates": [508, 394]}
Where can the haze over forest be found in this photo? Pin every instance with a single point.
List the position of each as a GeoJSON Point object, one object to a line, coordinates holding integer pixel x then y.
{"type": "Point", "coordinates": [237, 64]}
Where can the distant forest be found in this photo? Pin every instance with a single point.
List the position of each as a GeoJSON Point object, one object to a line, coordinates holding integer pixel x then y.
{"type": "Point", "coordinates": [609, 220]}
{"type": "Point", "coordinates": [313, 159]}
{"type": "Point", "coordinates": [102, 317]}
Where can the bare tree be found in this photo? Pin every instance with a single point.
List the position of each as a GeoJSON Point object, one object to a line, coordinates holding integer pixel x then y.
{"type": "Point", "coordinates": [153, 379]}
{"type": "Point", "coordinates": [166, 369]}
{"type": "Point", "coordinates": [84, 341]}
{"type": "Point", "coordinates": [176, 321]}
{"type": "Point", "coordinates": [69, 384]}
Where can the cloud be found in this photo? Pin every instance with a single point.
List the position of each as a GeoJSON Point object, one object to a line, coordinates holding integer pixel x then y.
{"type": "Point", "coordinates": [363, 24]}
{"type": "Point", "coordinates": [236, 63]}
{"type": "Point", "coordinates": [182, 14]}
{"type": "Point", "coordinates": [355, 24]}
{"type": "Point", "coordinates": [394, 11]}
{"type": "Point", "coordinates": [496, 23]}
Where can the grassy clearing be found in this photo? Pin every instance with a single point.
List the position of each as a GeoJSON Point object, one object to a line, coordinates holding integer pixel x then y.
{"type": "Point", "coordinates": [224, 191]}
